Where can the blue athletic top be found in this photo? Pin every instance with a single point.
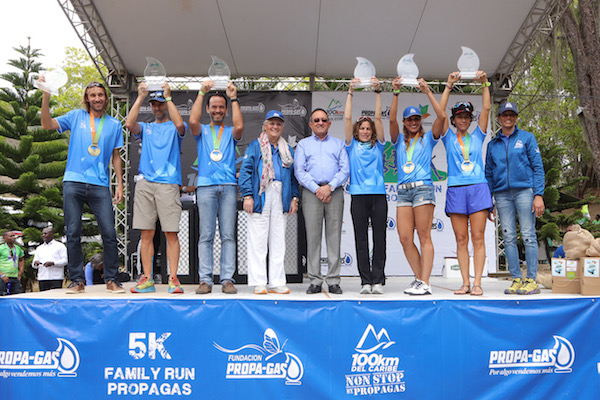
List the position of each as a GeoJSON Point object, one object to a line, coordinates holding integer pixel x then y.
{"type": "Point", "coordinates": [81, 165]}
{"type": "Point", "coordinates": [366, 167]}
{"type": "Point", "coordinates": [421, 158]}
{"type": "Point", "coordinates": [454, 157]}
{"type": "Point", "coordinates": [160, 160]}
{"type": "Point", "coordinates": [216, 172]}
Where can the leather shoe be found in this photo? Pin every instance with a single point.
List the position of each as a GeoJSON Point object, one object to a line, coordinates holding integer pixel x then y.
{"type": "Point", "coordinates": [204, 288]}
{"type": "Point", "coordinates": [335, 289]}
{"type": "Point", "coordinates": [228, 288]}
{"type": "Point", "coordinates": [312, 289]}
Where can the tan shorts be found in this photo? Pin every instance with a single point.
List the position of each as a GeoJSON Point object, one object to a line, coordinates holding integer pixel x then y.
{"type": "Point", "coordinates": [154, 201]}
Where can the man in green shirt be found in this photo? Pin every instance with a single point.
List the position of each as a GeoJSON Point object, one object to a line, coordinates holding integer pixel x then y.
{"type": "Point", "coordinates": [12, 264]}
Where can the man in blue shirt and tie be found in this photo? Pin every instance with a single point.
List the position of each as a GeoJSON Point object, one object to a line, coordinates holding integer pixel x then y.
{"type": "Point", "coordinates": [321, 166]}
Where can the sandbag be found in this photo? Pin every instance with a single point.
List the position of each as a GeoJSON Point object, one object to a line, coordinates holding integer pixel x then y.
{"type": "Point", "coordinates": [594, 249]}
{"type": "Point", "coordinates": [576, 242]}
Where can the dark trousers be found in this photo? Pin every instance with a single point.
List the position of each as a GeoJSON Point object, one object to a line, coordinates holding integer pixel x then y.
{"type": "Point", "coordinates": [50, 284]}
{"type": "Point", "coordinates": [363, 208]}
{"type": "Point", "coordinates": [15, 287]}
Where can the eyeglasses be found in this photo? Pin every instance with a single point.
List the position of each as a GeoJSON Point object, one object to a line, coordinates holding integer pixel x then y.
{"type": "Point", "coordinates": [363, 118]}
{"type": "Point", "coordinates": [316, 120]}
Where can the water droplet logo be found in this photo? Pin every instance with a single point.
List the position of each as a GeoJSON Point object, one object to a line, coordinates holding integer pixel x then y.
{"type": "Point", "coordinates": [391, 223]}
{"type": "Point", "coordinates": [295, 370]}
{"type": "Point", "coordinates": [565, 355]}
{"type": "Point", "coordinates": [347, 259]}
{"type": "Point", "coordinates": [68, 359]}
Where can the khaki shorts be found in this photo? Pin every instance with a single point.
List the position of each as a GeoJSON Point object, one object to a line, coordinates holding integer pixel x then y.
{"type": "Point", "coordinates": [154, 201]}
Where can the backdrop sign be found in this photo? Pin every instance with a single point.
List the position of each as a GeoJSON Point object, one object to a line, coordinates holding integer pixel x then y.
{"type": "Point", "coordinates": [159, 348]}
{"type": "Point", "coordinates": [442, 234]}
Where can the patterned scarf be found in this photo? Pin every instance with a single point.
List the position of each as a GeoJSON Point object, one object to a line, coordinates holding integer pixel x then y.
{"type": "Point", "coordinates": [268, 173]}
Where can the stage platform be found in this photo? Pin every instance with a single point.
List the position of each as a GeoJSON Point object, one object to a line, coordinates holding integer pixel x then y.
{"type": "Point", "coordinates": [299, 346]}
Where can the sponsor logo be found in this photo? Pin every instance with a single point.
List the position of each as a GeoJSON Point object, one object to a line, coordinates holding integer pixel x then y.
{"type": "Point", "coordinates": [63, 362]}
{"type": "Point", "coordinates": [390, 223]}
{"type": "Point", "coordinates": [269, 361]}
{"type": "Point", "coordinates": [437, 225]}
{"type": "Point", "coordinates": [557, 359]}
{"type": "Point", "coordinates": [347, 259]}
{"type": "Point", "coordinates": [258, 108]}
{"type": "Point", "coordinates": [385, 114]}
{"type": "Point", "coordinates": [335, 110]}
{"type": "Point", "coordinates": [373, 371]}
{"type": "Point", "coordinates": [519, 144]}
{"type": "Point", "coordinates": [293, 108]}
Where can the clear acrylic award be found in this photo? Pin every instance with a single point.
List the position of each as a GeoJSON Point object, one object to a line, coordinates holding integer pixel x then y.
{"type": "Point", "coordinates": [55, 78]}
{"type": "Point", "coordinates": [154, 74]}
{"type": "Point", "coordinates": [364, 70]}
{"type": "Point", "coordinates": [219, 73]}
{"type": "Point", "coordinates": [408, 70]}
{"type": "Point", "coordinates": [468, 63]}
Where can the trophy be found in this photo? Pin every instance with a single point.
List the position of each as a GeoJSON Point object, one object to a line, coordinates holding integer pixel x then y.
{"type": "Point", "coordinates": [219, 73]}
{"type": "Point", "coordinates": [154, 74]}
{"type": "Point", "coordinates": [55, 78]}
{"type": "Point", "coordinates": [364, 70]}
{"type": "Point", "coordinates": [408, 70]}
{"type": "Point", "coordinates": [468, 63]}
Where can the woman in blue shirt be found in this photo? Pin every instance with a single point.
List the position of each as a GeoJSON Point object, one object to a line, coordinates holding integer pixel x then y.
{"type": "Point", "coordinates": [416, 197]}
{"type": "Point", "coordinates": [365, 143]}
{"type": "Point", "coordinates": [468, 198]}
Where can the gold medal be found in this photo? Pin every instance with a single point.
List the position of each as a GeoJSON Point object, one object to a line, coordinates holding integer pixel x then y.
{"type": "Point", "coordinates": [94, 150]}
{"type": "Point", "coordinates": [467, 166]}
{"type": "Point", "coordinates": [408, 167]}
{"type": "Point", "coordinates": [216, 155]}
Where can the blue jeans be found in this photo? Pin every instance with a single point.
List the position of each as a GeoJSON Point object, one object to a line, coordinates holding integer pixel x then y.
{"type": "Point", "coordinates": [218, 201]}
{"type": "Point", "coordinates": [75, 194]}
{"type": "Point", "coordinates": [509, 203]}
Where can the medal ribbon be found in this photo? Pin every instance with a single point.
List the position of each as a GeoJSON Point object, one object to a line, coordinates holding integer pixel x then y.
{"type": "Point", "coordinates": [464, 146]}
{"type": "Point", "coordinates": [410, 151]}
{"type": "Point", "coordinates": [217, 140]}
{"type": "Point", "coordinates": [96, 139]}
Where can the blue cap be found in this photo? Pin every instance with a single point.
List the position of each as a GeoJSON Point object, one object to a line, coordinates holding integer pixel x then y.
{"type": "Point", "coordinates": [274, 114]}
{"type": "Point", "coordinates": [157, 96]}
{"type": "Point", "coordinates": [508, 106]}
{"type": "Point", "coordinates": [410, 111]}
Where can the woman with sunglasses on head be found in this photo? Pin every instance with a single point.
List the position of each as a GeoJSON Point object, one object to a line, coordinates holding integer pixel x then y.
{"type": "Point", "coordinates": [416, 197]}
{"type": "Point", "coordinates": [468, 198]}
{"type": "Point", "coordinates": [365, 143]}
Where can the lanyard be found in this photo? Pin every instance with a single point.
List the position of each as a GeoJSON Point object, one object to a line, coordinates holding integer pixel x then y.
{"type": "Point", "coordinates": [410, 150]}
{"type": "Point", "coordinates": [216, 140]}
{"type": "Point", "coordinates": [464, 146]}
{"type": "Point", "coordinates": [96, 139]}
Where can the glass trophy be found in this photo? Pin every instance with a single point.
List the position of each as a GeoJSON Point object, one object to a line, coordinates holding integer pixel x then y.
{"type": "Point", "coordinates": [408, 70]}
{"type": "Point", "coordinates": [219, 73]}
{"type": "Point", "coordinates": [468, 63]}
{"type": "Point", "coordinates": [154, 74]}
{"type": "Point", "coordinates": [364, 70]}
{"type": "Point", "coordinates": [55, 78]}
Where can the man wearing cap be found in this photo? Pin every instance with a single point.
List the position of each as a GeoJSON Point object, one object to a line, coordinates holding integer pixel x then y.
{"type": "Point", "coordinates": [95, 139]}
{"type": "Point", "coordinates": [157, 189]}
{"type": "Point", "coordinates": [321, 167]}
{"type": "Point", "coordinates": [270, 190]}
{"type": "Point", "coordinates": [50, 259]}
{"type": "Point", "coordinates": [216, 192]}
{"type": "Point", "coordinates": [515, 174]}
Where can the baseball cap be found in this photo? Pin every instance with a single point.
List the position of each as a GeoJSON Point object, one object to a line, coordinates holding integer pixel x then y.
{"type": "Point", "coordinates": [157, 96]}
{"type": "Point", "coordinates": [274, 114]}
{"type": "Point", "coordinates": [508, 106]}
{"type": "Point", "coordinates": [410, 111]}
{"type": "Point", "coordinates": [462, 107]}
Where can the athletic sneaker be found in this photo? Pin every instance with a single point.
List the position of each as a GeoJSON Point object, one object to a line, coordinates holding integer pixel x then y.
{"type": "Point", "coordinates": [365, 289]}
{"type": "Point", "coordinates": [144, 285]}
{"type": "Point", "coordinates": [411, 286]}
{"type": "Point", "coordinates": [377, 288]}
{"type": "Point", "coordinates": [279, 290]}
{"type": "Point", "coordinates": [260, 289]}
{"type": "Point", "coordinates": [420, 289]}
{"type": "Point", "coordinates": [175, 286]}
{"type": "Point", "coordinates": [530, 286]}
{"type": "Point", "coordinates": [514, 288]}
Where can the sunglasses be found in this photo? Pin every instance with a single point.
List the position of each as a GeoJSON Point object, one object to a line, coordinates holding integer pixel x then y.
{"type": "Point", "coordinates": [363, 118]}
{"type": "Point", "coordinates": [316, 120]}
{"type": "Point", "coordinates": [94, 84]}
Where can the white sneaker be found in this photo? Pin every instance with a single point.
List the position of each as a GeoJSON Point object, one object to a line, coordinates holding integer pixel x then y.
{"type": "Point", "coordinates": [365, 289]}
{"type": "Point", "coordinates": [377, 289]}
{"type": "Point", "coordinates": [420, 289]}
{"type": "Point", "coordinates": [260, 289]}
{"type": "Point", "coordinates": [411, 286]}
{"type": "Point", "coordinates": [280, 290]}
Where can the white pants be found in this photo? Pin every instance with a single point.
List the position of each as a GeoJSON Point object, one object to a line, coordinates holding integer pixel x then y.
{"type": "Point", "coordinates": [266, 232]}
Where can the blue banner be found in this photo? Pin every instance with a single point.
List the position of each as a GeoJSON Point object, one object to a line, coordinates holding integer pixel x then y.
{"type": "Point", "coordinates": [258, 349]}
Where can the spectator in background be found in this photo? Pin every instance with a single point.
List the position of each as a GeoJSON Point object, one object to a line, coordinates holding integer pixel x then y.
{"type": "Point", "coordinates": [50, 260]}
{"type": "Point", "coordinates": [12, 264]}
